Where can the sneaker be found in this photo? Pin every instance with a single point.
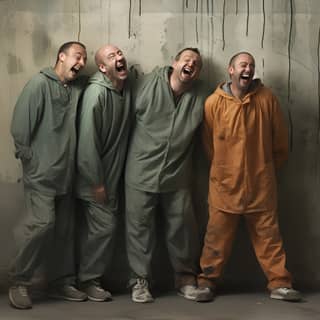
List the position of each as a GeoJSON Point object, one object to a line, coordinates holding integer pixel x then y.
{"type": "Point", "coordinates": [96, 293]}
{"type": "Point", "coordinates": [19, 297]}
{"type": "Point", "coordinates": [140, 292]}
{"type": "Point", "coordinates": [287, 294]}
{"type": "Point", "coordinates": [68, 292]}
{"type": "Point", "coordinates": [189, 292]}
{"type": "Point", "coordinates": [204, 294]}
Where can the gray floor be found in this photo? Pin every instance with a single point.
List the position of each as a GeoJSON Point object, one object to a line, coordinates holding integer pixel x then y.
{"type": "Point", "coordinates": [239, 306]}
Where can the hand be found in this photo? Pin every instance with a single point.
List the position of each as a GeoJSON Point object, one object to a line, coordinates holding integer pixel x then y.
{"type": "Point", "coordinates": [100, 194]}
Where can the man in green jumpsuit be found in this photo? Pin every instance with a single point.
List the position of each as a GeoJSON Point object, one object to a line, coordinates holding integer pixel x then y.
{"type": "Point", "coordinates": [44, 132]}
{"type": "Point", "coordinates": [103, 134]}
{"type": "Point", "coordinates": [168, 110]}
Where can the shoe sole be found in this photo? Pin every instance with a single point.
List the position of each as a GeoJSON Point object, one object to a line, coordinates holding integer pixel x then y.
{"type": "Point", "coordinates": [54, 296]}
{"type": "Point", "coordinates": [186, 296]}
{"type": "Point", "coordinates": [17, 306]}
{"type": "Point", "coordinates": [99, 299]}
{"type": "Point", "coordinates": [142, 301]}
{"type": "Point", "coordinates": [289, 298]}
{"type": "Point", "coordinates": [204, 298]}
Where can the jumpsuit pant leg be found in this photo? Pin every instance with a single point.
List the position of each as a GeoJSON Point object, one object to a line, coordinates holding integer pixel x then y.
{"type": "Point", "coordinates": [33, 236]}
{"type": "Point", "coordinates": [221, 230]}
{"type": "Point", "coordinates": [182, 235]}
{"type": "Point", "coordinates": [61, 257]}
{"type": "Point", "coordinates": [97, 238]}
{"type": "Point", "coordinates": [140, 231]}
{"type": "Point", "coordinates": [267, 242]}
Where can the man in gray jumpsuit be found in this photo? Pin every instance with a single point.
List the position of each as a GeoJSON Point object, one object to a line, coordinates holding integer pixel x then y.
{"type": "Point", "coordinates": [168, 109]}
{"type": "Point", "coordinates": [103, 134]}
{"type": "Point", "coordinates": [44, 131]}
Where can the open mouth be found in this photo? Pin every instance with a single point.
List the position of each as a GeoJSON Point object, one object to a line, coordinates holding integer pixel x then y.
{"type": "Point", "coordinates": [187, 71]}
{"type": "Point", "coordinates": [75, 70]}
{"type": "Point", "coordinates": [245, 76]}
{"type": "Point", "coordinates": [121, 67]}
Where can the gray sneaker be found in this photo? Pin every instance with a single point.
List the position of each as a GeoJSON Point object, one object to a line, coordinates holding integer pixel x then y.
{"type": "Point", "coordinates": [189, 292]}
{"type": "Point", "coordinates": [96, 293]}
{"type": "Point", "coordinates": [19, 297]}
{"type": "Point", "coordinates": [140, 292]}
{"type": "Point", "coordinates": [204, 294]}
{"type": "Point", "coordinates": [286, 294]}
{"type": "Point", "coordinates": [68, 292]}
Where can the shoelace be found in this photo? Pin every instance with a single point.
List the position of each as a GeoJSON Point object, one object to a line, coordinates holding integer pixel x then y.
{"type": "Point", "coordinates": [23, 290]}
{"type": "Point", "coordinates": [141, 283]}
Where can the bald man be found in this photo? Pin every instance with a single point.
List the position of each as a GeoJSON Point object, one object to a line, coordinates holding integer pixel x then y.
{"type": "Point", "coordinates": [102, 143]}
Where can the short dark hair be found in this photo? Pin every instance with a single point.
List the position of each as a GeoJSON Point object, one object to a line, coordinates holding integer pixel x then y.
{"type": "Point", "coordinates": [64, 48]}
{"type": "Point", "coordinates": [196, 50]}
{"type": "Point", "coordinates": [233, 58]}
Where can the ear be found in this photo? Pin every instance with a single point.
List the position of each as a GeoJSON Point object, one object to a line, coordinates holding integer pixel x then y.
{"type": "Point", "coordinates": [230, 69]}
{"type": "Point", "coordinates": [102, 68]}
{"type": "Point", "coordinates": [62, 56]}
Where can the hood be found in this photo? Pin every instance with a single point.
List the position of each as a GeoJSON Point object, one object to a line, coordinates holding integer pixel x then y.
{"type": "Point", "coordinates": [102, 80]}
{"type": "Point", "coordinates": [223, 88]}
{"type": "Point", "coordinates": [50, 73]}
{"type": "Point", "coordinates": [163, 72]}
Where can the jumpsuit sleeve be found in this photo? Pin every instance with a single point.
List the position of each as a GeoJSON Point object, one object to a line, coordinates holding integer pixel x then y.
{"type": "Point", "coordinates": [207, 128]}
{"type": "Point", "coordinates": [91, 124]}
{"type": "Point", "coordinates": [279, 135]}
{"type": "Point", "coordinates": [26, 118]}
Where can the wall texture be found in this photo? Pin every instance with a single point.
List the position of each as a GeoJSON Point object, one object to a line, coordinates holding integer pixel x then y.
{"type": "Point", "coordinates": [284, 37]}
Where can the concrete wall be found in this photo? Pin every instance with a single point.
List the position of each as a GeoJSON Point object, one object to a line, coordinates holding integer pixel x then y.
{"type": "Point", "coordinates": [283, 35]}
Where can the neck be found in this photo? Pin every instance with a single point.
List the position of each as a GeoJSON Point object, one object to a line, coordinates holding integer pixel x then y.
{"type": "Point", "coordinates": [118, 84]}
{"type": "Point", "coordinates": [236, 92]}
{"type": "Point", "coordinates": [177, 87]}
{"type": "Point", "coordinates": [58, 72]}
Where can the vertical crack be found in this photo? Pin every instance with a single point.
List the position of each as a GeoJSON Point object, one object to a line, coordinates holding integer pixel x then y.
{"type": "Point", "coordinates": [289, 76]}
{"type": "Point", "coordinates": [223, 19]}
{"type": "Point", "coordinates": [237, 7]}
{"type": "Point", "coordinates": [318, 56]}
{"type": "Point", "coordinates": [263, 23]}
{"type": "Point", "coordinates": [140, 7]}
{"type": "Point", "coordinates": [129, 22]}
{"type": "Point", "coordinates": [248, 12]}
{"type": "Point", "coordinates": [197, 32]}
{"type": "Point", "coordinates": [79, 19]}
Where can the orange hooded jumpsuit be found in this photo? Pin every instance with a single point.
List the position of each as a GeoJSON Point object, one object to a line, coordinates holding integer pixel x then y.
{"type": "Point", "coordinates": [246, 141]}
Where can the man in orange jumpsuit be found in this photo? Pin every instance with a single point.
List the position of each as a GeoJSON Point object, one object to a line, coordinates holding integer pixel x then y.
{"type": "Point", "coordinates": [246, 139]}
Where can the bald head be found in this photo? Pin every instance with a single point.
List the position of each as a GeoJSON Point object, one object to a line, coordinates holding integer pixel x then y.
{"type": "Point", "coordinates": [111, 61]}
{"type": "Point", "coordinates": [103, 52]}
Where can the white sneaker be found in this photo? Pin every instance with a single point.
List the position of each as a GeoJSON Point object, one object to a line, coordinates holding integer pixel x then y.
{"type": "Point", "coordinates": [140, 292]}
{"type": "Point", "coordinates": [188, 291]}
{"type": "Point", "coordinates": [287, 294]}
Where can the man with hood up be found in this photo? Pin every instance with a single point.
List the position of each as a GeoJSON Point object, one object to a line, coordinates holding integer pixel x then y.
{"type": "Point", "coordinates": [246, 139]}
{"type": "Point", "coordinates": [168, 109]}
{"type": "Point", "coordinates": [44, 132]}
{"type": "Point", "coordinates": [102, 144]}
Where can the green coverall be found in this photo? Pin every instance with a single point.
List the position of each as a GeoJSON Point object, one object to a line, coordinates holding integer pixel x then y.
{"type": "Point", "coordinates": [158, 172]}
{"type": "Point", "coordinates": [103, 133]}
{"type": "Point", "coordinates": [44, 131]}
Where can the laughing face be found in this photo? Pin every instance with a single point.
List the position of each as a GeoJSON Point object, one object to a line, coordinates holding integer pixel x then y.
{"type": "Point", "coordinates": [72, 61]}
{"type": "Point", "coordinates": [187, 68]}
{"type": "Point", "coordinates": [114, 64]}
{"type": "Point", "coordinates": [241, 72]}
